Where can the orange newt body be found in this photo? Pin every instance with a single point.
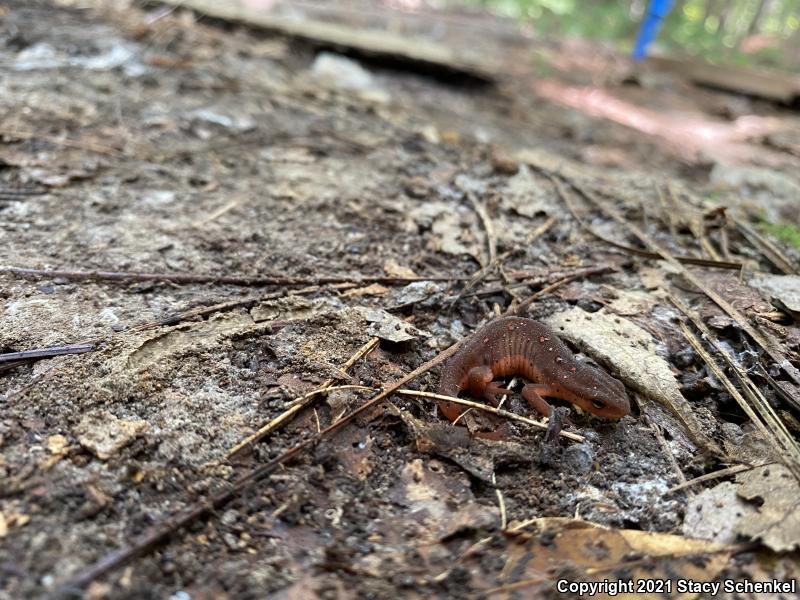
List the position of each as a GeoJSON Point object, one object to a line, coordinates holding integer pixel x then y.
{"type": "Point", "coordinates": [517, 346]}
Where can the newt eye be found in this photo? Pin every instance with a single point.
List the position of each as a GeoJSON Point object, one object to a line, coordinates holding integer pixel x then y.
{"type": "Point", "coordinates": [598, 404]}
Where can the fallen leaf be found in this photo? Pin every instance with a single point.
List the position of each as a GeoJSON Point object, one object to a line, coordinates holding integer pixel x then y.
{"type": "Point", "coordinates": [714, 514]}
{"type": "Point", "coordinates": [547, 550]}
{"type": "Point", "coordinates": [628, 348]}
{"type": "Point", "coordinates": [777, 522]}
{"type": "Point", "coordinates": [454, 229]}
{"type": "Point", "coordinates": [480, 458]}
{"type": "Point", "coordinates": [783, 290]}
{"type": "Point", "coordinates": [392, 269]}
{"type": "Point", "coordinates": [386, 326]}
{"type": "Point", "coordinates": [357, 454]}
{"type": "Point", "coordinates": [185, 336]}
{"type": "Point", "coordinates": [291, 308]}
{"type": "Point", "coordinates": [526, 196]}
{"type": "Point", "coordinates": [430, 494]}
{"type": "Point", "coordinates": [631, 303]}
{"type": "Point", "coordinates": [763, 504]}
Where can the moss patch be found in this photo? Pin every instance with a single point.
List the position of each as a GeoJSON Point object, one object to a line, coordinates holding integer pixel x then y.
{"type": "Point", "coordinates": [788, 234]}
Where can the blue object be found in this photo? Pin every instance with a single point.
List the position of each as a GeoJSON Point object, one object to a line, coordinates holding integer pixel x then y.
{"type": "Point", "coordinates": [657, 11]}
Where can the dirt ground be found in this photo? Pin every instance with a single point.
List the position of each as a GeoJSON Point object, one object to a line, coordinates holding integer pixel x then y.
{"type": "Point", "coordinates": [362, 205]}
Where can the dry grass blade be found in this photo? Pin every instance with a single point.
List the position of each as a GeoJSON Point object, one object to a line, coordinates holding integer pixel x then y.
{"type": "Point", "coordinates": [30, 135]}
{"type": "Point", "coordinates": [712, 476]}
{"type": "Point", "coordinates": [758, 409]}
{"type": "Point", "coordinates": [726, 306]}
{"type": "Point", "coordinates": [491, 241]}
{"type": "Point", "coordinates": [696, 223]}
{"type": "Point", "coordinates": [770, 251]}
{"type": "Point", "coordinates": [689, 260]}
{"type": "Point", "coordinates": [486, 221]}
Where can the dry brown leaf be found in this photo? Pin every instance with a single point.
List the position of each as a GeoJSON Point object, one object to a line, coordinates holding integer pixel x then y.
{"type": "Point", "coordinates": [392, 269]}
{"type": "Point", "coordinates": [777, 521]}
{"type": "Point", "coordinates": [550, 550]}
{"type": "Point", "coordinates": [763, 504]}
{"type": "Point", "coordinates": [442, 503]}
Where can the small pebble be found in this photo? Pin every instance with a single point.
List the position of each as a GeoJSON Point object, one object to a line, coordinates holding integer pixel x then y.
{"type": "Point", "coordinates": [579, 458]}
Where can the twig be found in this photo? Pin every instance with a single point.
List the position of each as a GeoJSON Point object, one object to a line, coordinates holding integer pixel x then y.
{"type": "Point", "coordinates": [696, 223]}
{"type": "Point", "coordinates": [598, 270]}
{"type": "Point", "coordinates": [724, 242]}
{"type": "Point", "coordinates": [486, 408]}
{"type": "Point", "coordinates": [689, 260]}
{"type": "Point", "coordinates": [531, 281]}
{"type": "Point", "coordinates": [184, 278]}
{"type": "Point", "coordinates": [29, 135]}
{"type": "Point", "coordinates": [28, 355]}
{"type": "Point", "coordinates": [711, 476]}
{"type": "Point", "coordinates": [202, 311]}
{"type": "Point", "coordinates": [162, 531]}
{"type": "Point", "coordinates": [217, 213]}
{"type": "Point", "coordinates": [491, 243]}
{"type": "Point", "coordinates": [491, 240]}
{"type": "Point", "coordinates": [300, 403]}
{"type": "Point", "coordinates": [668, 216]}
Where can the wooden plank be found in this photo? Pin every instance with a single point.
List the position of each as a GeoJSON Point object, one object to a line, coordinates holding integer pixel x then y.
{"type": "Point", "coordinates": [412, 50]}
{"type": "Point", "coordinates": [764, 83]}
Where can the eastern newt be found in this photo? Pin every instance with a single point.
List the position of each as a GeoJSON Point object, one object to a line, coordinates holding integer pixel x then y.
{"type": "Point", "coordinates": [518, 346]}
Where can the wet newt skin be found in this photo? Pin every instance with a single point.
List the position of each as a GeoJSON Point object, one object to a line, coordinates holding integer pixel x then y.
{"type": "Point", "coordinates": [518, 346]}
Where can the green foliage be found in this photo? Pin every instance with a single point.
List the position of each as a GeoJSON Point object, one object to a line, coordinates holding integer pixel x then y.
{"type": "Point", "coordinates": [786, 233]}
{"type": "Point", "coordinates": [714, 29]}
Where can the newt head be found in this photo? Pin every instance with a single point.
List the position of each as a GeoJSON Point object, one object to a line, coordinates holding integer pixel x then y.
{"type": "Point", "coordinates": [595, 391]}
